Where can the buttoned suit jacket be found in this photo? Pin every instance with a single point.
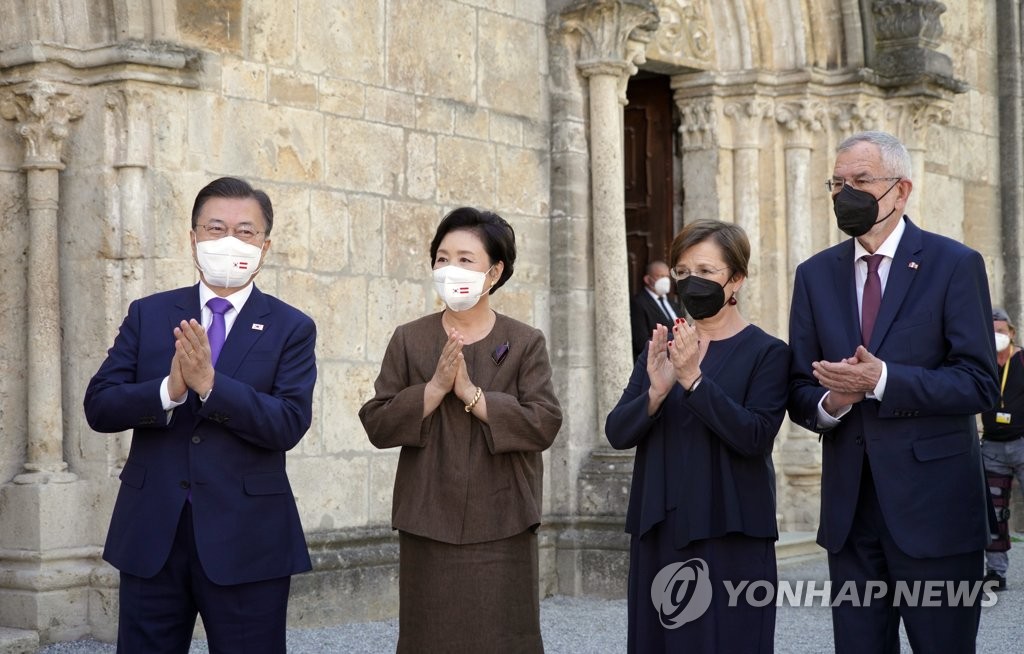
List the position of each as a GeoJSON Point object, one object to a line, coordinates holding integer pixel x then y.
{"type": "Point", "coordinates": [934, 332]}
{"type": "Point", "coordinates": [228, 453]}
{"type": "Point", "coordinates": [644, 314]}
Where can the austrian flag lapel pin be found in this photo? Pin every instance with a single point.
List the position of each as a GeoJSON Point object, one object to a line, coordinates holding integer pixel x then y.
{"type": "Point", "coordinates": [912, 265]}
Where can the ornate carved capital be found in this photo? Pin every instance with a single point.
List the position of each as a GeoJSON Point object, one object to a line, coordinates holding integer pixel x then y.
{"type": "Point", "coordinates": [746, 118]}
{"type": "Point", "coordinates": [913, 117]}
{"type": "Point", "coordinates": [800, 119]}
{"type": "Point", "coordinates": [42, 111]}
{"type": "Point", "coordinates": [698, 124]}
{"type": "Point", "coordinates": [606, 27]}
{"type": "Point", "coordinates": [683, 37]}
{"type": "Point", "coordinates": [857, 116]}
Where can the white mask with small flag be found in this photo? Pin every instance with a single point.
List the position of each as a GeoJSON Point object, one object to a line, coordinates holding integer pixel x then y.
{"type": "Point", "coordinates": [227, 262]}
{"type": "Point", "coordinates": [458, 288]}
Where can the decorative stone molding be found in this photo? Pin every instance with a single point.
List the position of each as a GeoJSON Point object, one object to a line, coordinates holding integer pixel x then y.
{"type": "Point", "coordinates": [747, 116]}
{"type": "Point", "coordinates": [857, 116]}
{"type": "Point", "coordinates": [698, 124]}
{"type": "Point", "coordinates": [606, 27]}
{"type": "Point", "coordinates": [42, 111]}
{"type": "Point", "coordinates": [683, 38]}
{"type": "Point", "coordinates": [800, 120]}
{"type": "Point", "coordinates": [907, 34]}
{"type": "Point", "coordinates": [912, 117]}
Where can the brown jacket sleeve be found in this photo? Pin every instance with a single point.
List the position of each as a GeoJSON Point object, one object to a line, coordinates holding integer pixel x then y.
{"type": "Point", "coordinates": [394, 417]}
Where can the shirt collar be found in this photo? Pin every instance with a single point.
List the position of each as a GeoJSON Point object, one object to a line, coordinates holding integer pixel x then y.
{"type": "Point", "coordinates": [888, 246]}
{"type": "Point", "coordinates": [237, 299]}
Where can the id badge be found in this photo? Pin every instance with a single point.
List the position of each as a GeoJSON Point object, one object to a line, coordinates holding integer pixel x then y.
{"type": "Point", "coordinates": [1002, 418]}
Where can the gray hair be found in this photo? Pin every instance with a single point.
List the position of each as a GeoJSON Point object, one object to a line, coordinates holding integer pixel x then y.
{"type": "Point", "coordinates": [895, 157]}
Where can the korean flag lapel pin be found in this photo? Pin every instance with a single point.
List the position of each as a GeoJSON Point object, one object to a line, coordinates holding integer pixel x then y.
{"type": "Point", "coordinates": [257, 326]}
{"type": "Point", "coordinates": [500, 353]}
{"type": "Point", "coordinates": [912, 265]}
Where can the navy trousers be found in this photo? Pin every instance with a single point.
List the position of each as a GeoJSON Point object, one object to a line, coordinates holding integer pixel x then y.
{"type": "Point", "coordinates": [870, 554]}
{"type": "Point", "coordinates": [157, 615]}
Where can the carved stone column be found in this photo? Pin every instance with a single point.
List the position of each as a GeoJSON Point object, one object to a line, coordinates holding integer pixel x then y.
{"type": "Point", "coordinates": [911, 118]}
{"type": "Point", "coordinates": [592, 549]}
{"type": "Point", "coordinates": [43, 111]}
{"type": "Point", "coordinates": [800, 453]}
{"type": "Point", "coordinates": [606, 59]}
{"type": "Point", "coordinates": [698, 131]}
{"type": "Point", "coordinates": [128, 113]}
{"type": "Point", "coordinates": [747, 116]}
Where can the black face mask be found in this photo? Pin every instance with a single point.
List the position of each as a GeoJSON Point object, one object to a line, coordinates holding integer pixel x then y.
{"type": "Point", "coordinates": [702, 298]}
{"type": "Point", "coordinates": [856, 210]}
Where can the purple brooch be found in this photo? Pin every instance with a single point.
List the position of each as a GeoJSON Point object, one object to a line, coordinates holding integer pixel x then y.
{"type": "Point", "coordinates": [500, 353]}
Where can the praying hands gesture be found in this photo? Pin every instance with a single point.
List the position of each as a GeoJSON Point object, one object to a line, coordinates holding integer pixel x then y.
{"type": "Point", "coordinates": [671, 362]}
{"type": "Point", "coordinates": [192, 365]}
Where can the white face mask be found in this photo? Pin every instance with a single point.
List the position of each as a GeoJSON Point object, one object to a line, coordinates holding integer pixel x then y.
{"type": "Point", "coordinates": [227, 262]}
{"type": "Point", "coordinates": [662, 286]}
{"type": "Point", "coordinates": [1002, 342]}
{"type": "Point", "coordinates": [458, 288]}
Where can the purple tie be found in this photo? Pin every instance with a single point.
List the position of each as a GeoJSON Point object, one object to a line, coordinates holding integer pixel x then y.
{"type": "Point", "coordinates": [218, 306]}
{"type": "Point", "coordinates": [872, 299]}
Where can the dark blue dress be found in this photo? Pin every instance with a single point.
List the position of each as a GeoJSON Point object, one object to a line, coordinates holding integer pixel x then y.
{"type": "Point", "coordinates": [704, 488]}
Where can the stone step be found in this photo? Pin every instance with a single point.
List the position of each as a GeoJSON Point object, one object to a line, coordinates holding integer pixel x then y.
{"type": "Point", "coordinates": [18, 641]}
{"type": "Point", "coordinates": [796, 544]}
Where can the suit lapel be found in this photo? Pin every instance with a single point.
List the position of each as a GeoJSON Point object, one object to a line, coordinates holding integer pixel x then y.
{"type": "Point", "coordinates": [846, 292]}
{"type": "Point", "coordinates": [248, 327]}
{"type": "Point", "coordinates": [901, 276]}
{"type": "Point", "coordinates": [186, 307]}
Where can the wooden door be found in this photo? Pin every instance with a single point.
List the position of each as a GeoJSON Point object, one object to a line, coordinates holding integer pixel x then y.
{"type": "Point", "coordinates": [648, 129]}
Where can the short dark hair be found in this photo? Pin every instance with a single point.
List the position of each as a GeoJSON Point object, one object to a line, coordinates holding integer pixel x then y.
{"type": "Point", "coordinates": [233, 187]}
{"type": "Point", "coordinates": [728, 236]}
{"type": "Point", "coordinates": [498, 237]}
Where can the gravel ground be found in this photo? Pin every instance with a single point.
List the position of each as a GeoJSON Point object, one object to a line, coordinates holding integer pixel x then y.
{"type": "Point", "coordinates": [580, 625]}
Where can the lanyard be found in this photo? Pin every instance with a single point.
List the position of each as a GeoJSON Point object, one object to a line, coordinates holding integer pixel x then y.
{"type": "Point", "coordinates": [1006, 369]}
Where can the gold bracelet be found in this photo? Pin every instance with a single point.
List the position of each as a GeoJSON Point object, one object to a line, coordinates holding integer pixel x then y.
{"type": "Point", "coordinates": [476, 398]}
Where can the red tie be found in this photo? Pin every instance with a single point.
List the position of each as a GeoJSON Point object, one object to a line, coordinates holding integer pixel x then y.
{"type": "Point", "coordinates": [872, 299]}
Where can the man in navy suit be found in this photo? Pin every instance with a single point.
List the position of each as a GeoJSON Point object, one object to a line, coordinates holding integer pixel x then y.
{"type": "Point", "coordinates": [893, 357]}
{"type": "Point", "coordinates": [652, 306]}
{"type": "Point", "coordinates": [216, 380]}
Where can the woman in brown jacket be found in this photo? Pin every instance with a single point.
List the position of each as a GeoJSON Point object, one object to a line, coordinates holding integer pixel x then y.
{"type": "Point", "coordinates": [466, 393]}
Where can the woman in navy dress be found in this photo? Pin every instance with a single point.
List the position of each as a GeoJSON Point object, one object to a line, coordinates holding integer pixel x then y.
{"type": "Point", "coordinates": [702, 409]}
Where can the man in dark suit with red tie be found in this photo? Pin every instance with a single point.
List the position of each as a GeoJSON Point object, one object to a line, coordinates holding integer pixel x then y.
{"type": "Point", "coordinates": [652, 306]}
{"type": "Point", "coordinates": [893, 357]}
{"type": "Point", "coordinates": [216, 380]}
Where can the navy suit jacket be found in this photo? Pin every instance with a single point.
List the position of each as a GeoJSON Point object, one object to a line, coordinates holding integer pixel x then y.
{"type": "Point", "coordinates": [934, 332]}
{"type": "Point", "coordinates": [229, 452]}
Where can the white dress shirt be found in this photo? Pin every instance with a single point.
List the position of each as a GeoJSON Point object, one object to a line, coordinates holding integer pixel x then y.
{"type": "Point", "coordinates": [860, 269]}
{"type": "Point", "coordinates": [237, 300]}
{"type": "Point", "coordinates": [662, 303]}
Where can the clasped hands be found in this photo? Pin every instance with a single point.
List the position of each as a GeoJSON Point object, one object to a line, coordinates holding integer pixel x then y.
{"type": "Point", "coordinates": [669, 362]}
{"type": "Point", "coordinates": [192, 365]}
{"type": "Point", "coordinates": [848, 380]}
{"type": "Point", "coordinates": [451, 373]}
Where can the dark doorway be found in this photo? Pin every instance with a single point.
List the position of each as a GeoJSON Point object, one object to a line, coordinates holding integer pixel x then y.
{"type": "Point", "coordinates": [649, 135]}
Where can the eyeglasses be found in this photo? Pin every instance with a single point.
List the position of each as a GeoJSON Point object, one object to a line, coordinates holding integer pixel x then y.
{"type": "Point", "coordinates": [703, 272]}
{"type": "Point", "coordinates": [244, 232]}
{"type": "Point", "coordinates": [836, 184]}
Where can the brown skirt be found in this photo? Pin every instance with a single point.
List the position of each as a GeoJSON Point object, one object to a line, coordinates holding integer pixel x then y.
{"type": "Point", "coordinates": [480, 597]}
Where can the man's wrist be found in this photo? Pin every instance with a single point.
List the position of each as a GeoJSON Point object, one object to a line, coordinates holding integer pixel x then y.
{"type": "Point", "coordinates": [205, 396]}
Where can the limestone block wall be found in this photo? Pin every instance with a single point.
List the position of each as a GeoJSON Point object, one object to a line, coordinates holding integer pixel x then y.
{"type": "Point", "coordinates": [365, 122]}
